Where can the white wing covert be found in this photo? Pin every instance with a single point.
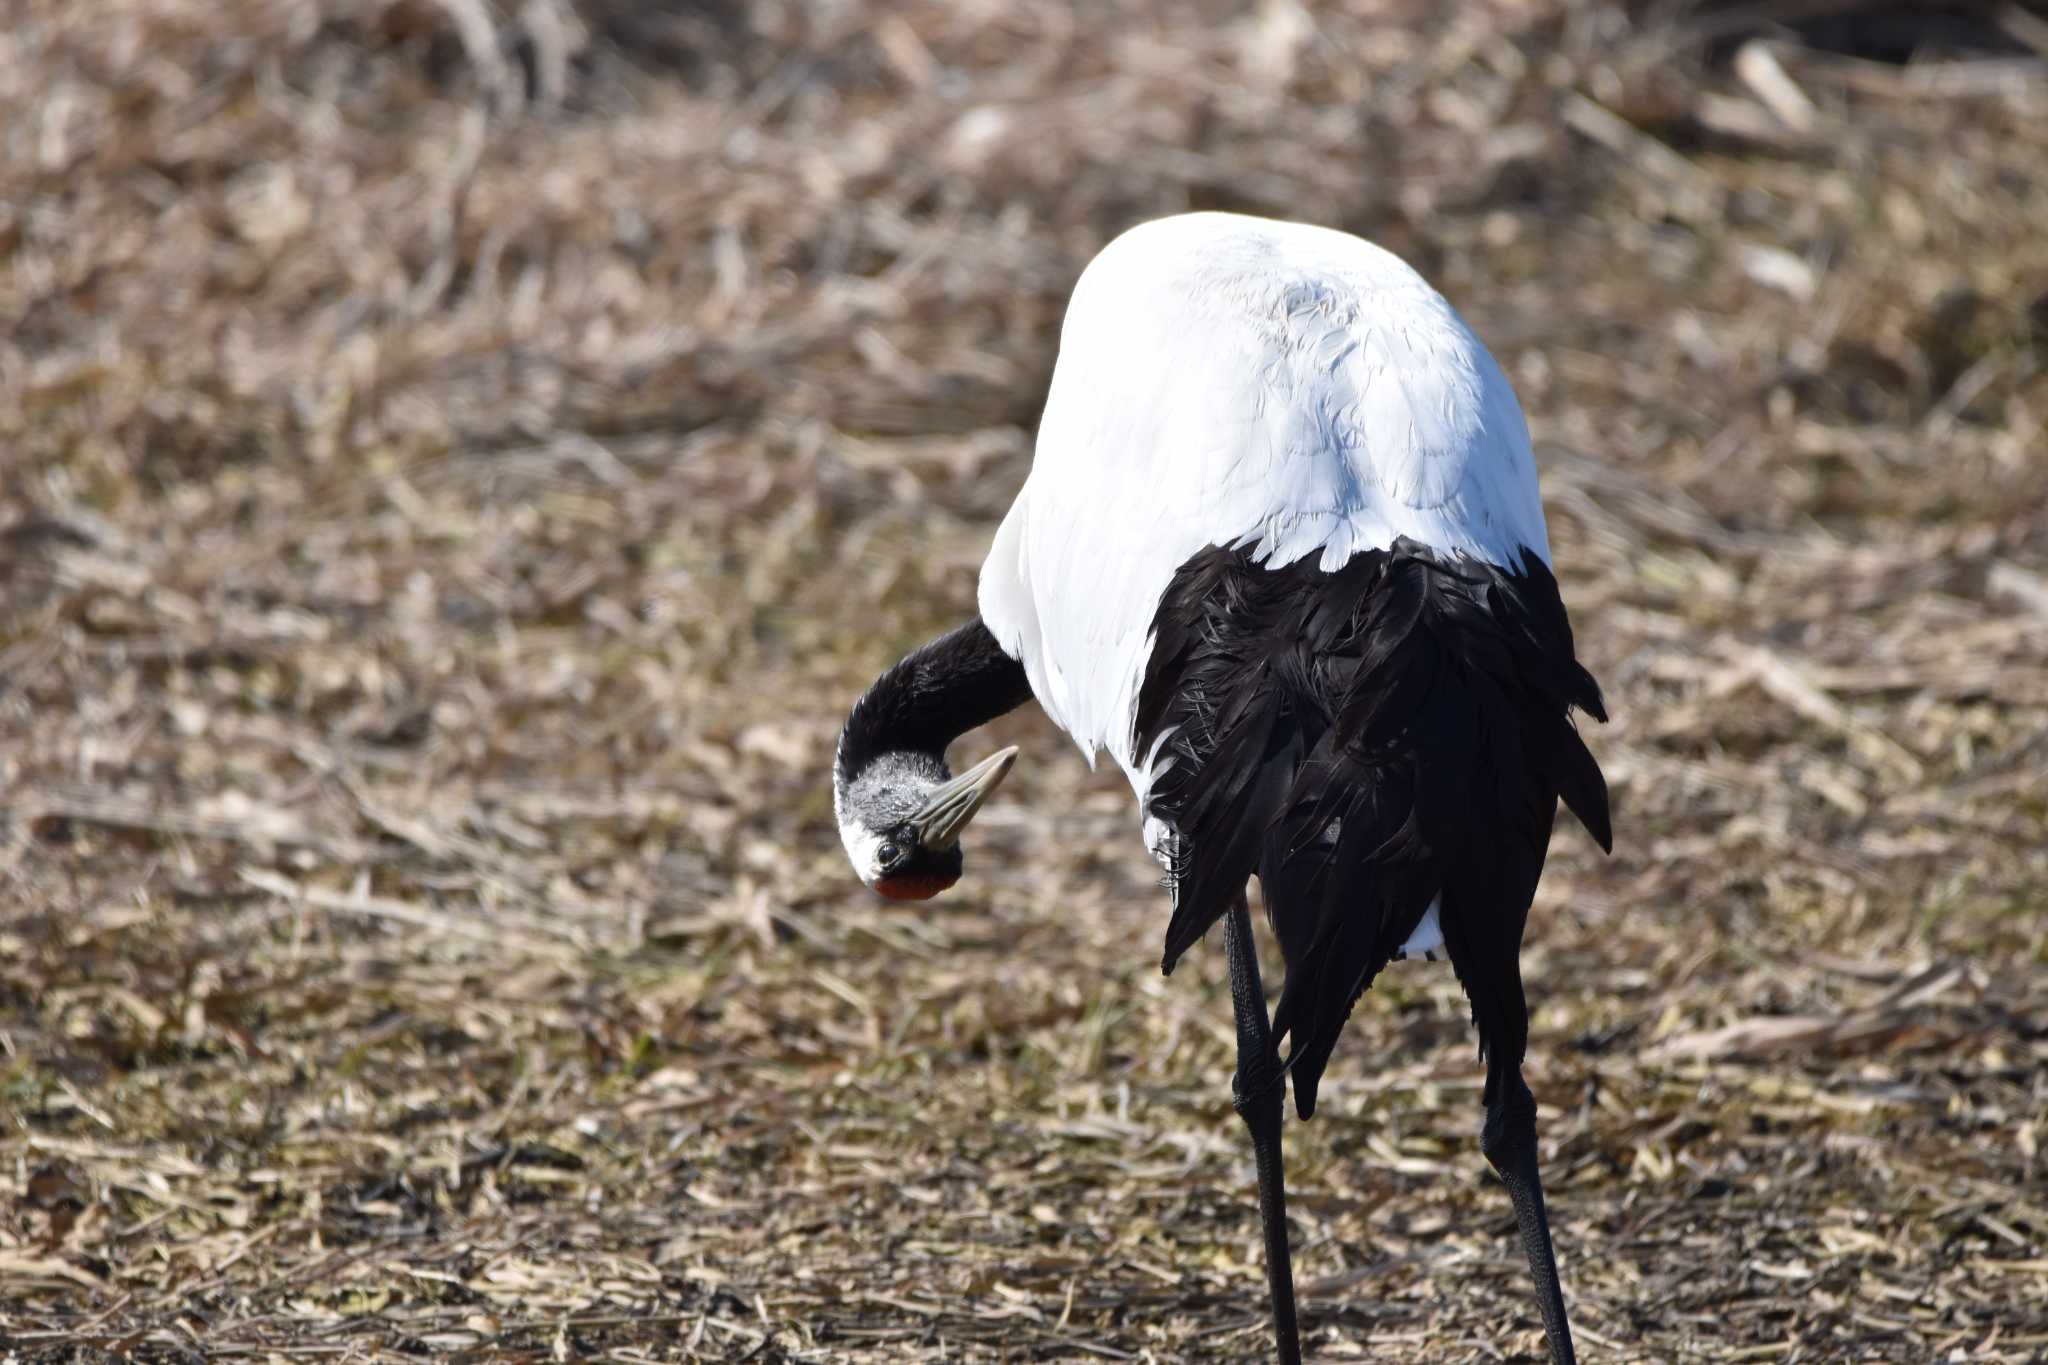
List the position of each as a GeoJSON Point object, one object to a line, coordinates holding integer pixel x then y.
{"type": "Point", "coordinates": [1229, 381]}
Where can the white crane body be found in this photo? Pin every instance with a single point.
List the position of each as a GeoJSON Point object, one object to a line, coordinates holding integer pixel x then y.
{"type": "Point", "coordinates": [1281, 552]}
{"type": "Point", "coordinates": [1226, 380]}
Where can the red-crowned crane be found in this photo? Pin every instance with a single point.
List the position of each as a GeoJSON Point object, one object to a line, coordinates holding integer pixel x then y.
{"type": "Point", "coordinates": [1281, 554]}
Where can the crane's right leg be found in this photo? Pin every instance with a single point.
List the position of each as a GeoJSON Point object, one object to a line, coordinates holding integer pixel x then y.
{"type": "Point", "coordinates": [1509, 1141]}
{"type": "Point", "coordinates": [1257, 1091]}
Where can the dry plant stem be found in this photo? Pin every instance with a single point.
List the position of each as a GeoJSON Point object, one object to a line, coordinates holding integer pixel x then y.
{"type": "Point", "coordinates": [472, 516]}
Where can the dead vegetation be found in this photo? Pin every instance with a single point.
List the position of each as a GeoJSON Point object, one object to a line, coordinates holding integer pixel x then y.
{"type": "Point", "coordinates": [461, 458]}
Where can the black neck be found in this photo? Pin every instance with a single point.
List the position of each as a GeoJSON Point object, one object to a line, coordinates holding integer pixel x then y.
{"type": "Point", "coordinates": [939, 692]}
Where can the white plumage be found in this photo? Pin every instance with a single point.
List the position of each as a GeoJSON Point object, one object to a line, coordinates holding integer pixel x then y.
{"type": "Point", "coordinates": [1281, 552]}
{"type": "Point", "coordinates": [1227, 380]}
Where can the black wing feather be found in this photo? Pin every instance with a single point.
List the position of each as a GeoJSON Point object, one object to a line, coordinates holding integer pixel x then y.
{"type": "Point", "coordinates": [1365, 740]}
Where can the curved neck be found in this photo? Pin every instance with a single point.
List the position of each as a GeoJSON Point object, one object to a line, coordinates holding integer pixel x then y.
{"type": "Point", "coordinates": [939, 692]}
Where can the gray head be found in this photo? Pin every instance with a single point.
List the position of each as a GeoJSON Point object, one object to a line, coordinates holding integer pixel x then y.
{"type": "Point", "coordinates": [901, 815]}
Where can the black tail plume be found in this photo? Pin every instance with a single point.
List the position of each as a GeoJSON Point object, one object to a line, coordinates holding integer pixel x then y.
{"type": "Point", "coordinates": [1366, 740]}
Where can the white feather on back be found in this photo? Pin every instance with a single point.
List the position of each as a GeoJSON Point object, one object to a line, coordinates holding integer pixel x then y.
{"type": "Point", "coordinates": [1227, 380]}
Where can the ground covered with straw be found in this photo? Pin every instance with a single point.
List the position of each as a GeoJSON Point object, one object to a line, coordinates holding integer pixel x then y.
{"type": "Point", "coordinates": [458, 461]}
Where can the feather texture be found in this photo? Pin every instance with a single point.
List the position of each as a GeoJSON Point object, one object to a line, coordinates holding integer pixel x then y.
{"type": "Point", "coordinates": [1226, 380]}
{"type": "Point", "coordinates": [1370, 741]}
{"type": "Point", "coordinates": [929, 698]}
{"type": "Point", "coordinates": [1282, 553]}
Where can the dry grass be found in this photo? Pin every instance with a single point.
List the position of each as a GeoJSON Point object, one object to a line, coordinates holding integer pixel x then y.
{"type": "Point", "coordinates": [461, 459]}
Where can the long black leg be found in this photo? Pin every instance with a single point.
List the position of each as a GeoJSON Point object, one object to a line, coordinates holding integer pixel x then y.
{"type": "Point", "coordinates": [1509, 1141]}
{"type": "Point", "coordinates": [1257, 1091]}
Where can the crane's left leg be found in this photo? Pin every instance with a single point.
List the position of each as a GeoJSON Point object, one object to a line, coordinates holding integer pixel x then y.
{"type": "Point", "coordinates": [1509, 1141]}
{"type": "Point", "coordinates": [1257, 1091]}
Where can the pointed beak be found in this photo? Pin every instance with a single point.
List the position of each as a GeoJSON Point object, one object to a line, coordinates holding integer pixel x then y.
{"type": "Point", "coordinates": [948, 809]}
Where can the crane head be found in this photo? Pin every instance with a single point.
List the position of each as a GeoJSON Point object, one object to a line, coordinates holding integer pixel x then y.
{"type": "Point", "coordinates": [900, 818]}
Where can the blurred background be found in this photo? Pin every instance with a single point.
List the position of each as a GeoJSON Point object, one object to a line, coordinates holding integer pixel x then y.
{"type": "Point", "coordinates": [459, 459]}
